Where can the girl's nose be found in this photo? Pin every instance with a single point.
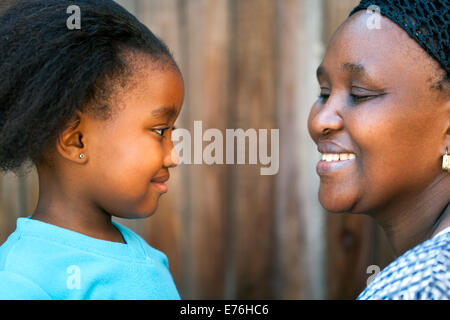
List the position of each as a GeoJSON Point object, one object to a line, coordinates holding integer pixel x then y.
{"type": "Point", "coordinates": [171, 158]}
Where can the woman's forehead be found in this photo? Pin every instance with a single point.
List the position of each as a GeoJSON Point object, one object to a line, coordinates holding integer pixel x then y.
{"type": "Point", "coordinates": [355, 48]}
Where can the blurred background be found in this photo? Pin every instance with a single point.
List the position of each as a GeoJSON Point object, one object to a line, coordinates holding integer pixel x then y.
{"type": "Point", "coordinates": [229, 232]}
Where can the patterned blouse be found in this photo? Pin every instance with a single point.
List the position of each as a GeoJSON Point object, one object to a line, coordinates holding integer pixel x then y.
{"type": "Point", "coordinates": [422, 273]}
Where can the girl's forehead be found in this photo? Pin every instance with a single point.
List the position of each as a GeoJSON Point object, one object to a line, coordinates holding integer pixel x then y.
{"type": "Point", "coordinates": [154, 93]}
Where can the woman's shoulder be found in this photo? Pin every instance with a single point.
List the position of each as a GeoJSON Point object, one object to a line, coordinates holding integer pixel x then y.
{"type": "Point", "coordinates": [420, 273]}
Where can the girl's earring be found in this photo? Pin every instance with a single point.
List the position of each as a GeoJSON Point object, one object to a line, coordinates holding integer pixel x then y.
{"type": "Point", "coordinates": [446, 161]}
{"type": "Point", "coordinates": [81, 155]}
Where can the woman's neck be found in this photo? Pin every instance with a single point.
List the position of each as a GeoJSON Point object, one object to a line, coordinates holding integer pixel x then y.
{"type": "Point", "coordinates": [410, 220]}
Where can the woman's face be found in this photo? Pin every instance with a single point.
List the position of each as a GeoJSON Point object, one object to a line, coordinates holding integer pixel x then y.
{"type": "Point", "coordinates": [129, 156]}
{"type": "Point", "coordinates": [376, 110]}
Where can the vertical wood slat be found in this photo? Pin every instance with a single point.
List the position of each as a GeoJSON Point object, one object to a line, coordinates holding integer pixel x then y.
{"type": "Point", "coordinates": [207, 79]}
{"type": "Point", "coordinates": [289, 281]}
{"type": "Point", "coordinates": [10, 206]}
{"type": "Point", "coordinates": [299, 217]}
{"type": "Point", "coordinates": [254, 107]}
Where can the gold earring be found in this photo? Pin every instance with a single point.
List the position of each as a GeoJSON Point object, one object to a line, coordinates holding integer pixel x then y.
{"type": "Point", "coordinates": [446, 161]}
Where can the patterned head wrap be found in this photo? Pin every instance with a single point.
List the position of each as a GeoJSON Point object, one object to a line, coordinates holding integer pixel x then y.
{"type": "Point", "coordinates": [426, 21]}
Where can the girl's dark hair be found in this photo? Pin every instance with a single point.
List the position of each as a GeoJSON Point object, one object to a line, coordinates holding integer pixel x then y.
{"type": "Point", "coordinates": [48, 71]}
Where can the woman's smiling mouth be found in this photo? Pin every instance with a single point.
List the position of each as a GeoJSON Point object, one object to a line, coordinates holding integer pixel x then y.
{"type": "Point", "coordinates": [334, 161]}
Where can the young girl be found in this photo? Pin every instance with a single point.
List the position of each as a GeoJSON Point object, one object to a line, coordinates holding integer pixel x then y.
{"type": "Point", "coordinates": [382, 124]}
{"type": "Point", "coordinates": [93, 109]}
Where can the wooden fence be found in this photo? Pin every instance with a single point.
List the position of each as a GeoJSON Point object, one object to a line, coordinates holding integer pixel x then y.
{"type": "Point", "coordinates": [230, 232]}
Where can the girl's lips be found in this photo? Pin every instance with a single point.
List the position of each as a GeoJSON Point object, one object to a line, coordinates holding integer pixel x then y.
{"type": "Point", "coordinates": [162, 187]}
{"type": "Point", "coordinates": [326, 167]}
{"type": "Point", "coordinates": [159, 182]}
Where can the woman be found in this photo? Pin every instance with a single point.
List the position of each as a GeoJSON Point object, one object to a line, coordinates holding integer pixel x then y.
{"type": "Point", "coordinates": [382, 125]}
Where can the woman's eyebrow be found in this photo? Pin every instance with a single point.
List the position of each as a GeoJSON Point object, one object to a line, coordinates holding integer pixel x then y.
{"type": "Point", "coordinates": [355, 68]}
{"type": "Point", "coordinates": [165, 111]}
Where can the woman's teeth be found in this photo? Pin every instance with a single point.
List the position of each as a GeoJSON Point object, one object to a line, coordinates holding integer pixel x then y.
{"type": "Point", "coordinates": [338, 156]}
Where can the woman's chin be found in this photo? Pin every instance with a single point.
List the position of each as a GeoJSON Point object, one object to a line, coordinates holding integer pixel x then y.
{"type": "Point", "coordinates": [337, 202]}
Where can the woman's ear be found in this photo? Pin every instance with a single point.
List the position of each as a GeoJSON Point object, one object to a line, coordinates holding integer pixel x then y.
{"type": "Point", "coordinates": [71, 142]}
{"type": "Point", "coordinates": [447, 137]}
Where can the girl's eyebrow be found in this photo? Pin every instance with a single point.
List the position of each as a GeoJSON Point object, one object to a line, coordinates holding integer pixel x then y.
{"type": "Point", "coordinates": [165, 111]}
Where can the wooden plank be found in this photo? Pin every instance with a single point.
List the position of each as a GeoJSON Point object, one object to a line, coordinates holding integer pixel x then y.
{"type": "Point", "coordinates": [299, 217]}
{"type": "Point", "coordinates": [130, 5]}
{"type": "Point", "coordinates": [207, 41]}
{"type": "Point", "coordinates": [31, 190]}
{"type": "Point", "coordinates": [11, 203]}
{"type": "Point", "coordinates": [253, 106]}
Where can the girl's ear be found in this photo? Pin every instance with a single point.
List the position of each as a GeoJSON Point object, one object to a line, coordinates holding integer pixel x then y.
{"type": "Point", "coordinates": [71, 142]}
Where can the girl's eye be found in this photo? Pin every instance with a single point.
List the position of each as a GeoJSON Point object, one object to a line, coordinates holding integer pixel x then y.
{"type": "Point", "coordinates": [162, 131]}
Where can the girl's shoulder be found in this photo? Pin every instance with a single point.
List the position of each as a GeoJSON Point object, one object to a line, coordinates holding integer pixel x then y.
{"type": "Point", "coordinates": [135, 239]}
{"type": "Point", "coordinates": [16, 287]}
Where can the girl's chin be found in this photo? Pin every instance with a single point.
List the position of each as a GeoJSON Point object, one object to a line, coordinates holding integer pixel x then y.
{"type": "Point", "coordinates": [142, 213]}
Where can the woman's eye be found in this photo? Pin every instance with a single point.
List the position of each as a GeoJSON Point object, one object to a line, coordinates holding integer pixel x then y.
{"type": "Point", "coordinates": [323, 97]}
{"type": "Point", "coordinates": [324, 94]}
{"type": "Point", "coordinates": [360, 98]}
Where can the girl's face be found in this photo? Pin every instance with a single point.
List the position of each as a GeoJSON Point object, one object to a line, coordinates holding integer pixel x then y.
{"type": "Point", "coordinates": [129, 156]}
{"type": "Point", "coordinates": [376, 110]}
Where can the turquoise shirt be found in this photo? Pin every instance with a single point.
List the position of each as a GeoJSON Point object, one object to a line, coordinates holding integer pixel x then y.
{"type": "Point", "coordinates": [43, 261]}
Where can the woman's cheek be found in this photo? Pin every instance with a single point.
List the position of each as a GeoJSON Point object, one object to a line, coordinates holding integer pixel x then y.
{"type": "Point", "coordinates": [312, 114]}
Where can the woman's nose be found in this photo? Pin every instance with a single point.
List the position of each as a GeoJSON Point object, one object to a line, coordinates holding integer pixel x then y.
{"type": "Point", "coordinates": [325, 118]}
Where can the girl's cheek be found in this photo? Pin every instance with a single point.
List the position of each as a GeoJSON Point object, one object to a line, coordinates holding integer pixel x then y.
{"type": "Point", "coordinates": [154, 155]}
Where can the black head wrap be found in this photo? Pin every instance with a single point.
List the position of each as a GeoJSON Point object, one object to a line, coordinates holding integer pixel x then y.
{"type": "Point", "coordinates": [426, 21]}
